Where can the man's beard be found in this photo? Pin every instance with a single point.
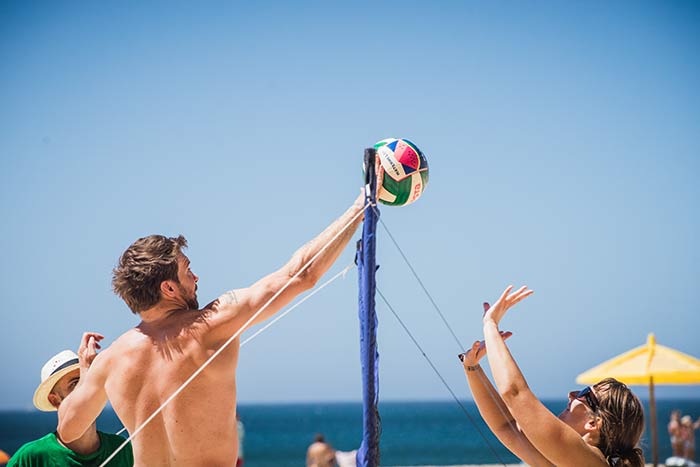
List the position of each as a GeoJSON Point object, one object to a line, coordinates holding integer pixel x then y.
{"type": "Point", "coordinates": [191, 302]}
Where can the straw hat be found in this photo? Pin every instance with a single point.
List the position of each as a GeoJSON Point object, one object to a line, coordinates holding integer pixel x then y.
{"type": "Point", "coordinates": [686, 419]}
{"type": "Point", "coordinates": [56, 368]}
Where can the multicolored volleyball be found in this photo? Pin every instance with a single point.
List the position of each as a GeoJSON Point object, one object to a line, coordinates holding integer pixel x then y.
{"type": "Point", "coordinates": [405, 171]}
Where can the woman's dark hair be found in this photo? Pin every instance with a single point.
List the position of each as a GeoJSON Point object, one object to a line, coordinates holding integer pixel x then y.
{"type": "Point", "coordinates": [621, 418]}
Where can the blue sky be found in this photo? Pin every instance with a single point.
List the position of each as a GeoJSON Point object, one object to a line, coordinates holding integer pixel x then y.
{"type": "Point", "coordinates": [564, 149]}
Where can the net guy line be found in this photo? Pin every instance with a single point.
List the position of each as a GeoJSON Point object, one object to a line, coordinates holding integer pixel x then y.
{"type": "Point", "coordinates": [420, 282]}
{"type": "Point", "coordinates": [484, 380]}
{"type": "Point", "coordinates": [439, 375]}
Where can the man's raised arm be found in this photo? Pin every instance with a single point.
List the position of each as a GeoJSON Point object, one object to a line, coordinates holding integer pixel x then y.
{"type": "Point", "coordinates": [82, 406]}
{"type": "Point", "coordinates": [233, 309]}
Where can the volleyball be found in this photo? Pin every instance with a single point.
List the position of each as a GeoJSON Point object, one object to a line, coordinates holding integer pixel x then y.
{"type": "Point", "coordinates": [405, 171]}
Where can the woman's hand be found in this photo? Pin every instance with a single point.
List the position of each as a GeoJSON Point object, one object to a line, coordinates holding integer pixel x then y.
{"type": "Point", "coordinates": [478, 350]}
{"type": "Point", "coordinates": [507, 300]}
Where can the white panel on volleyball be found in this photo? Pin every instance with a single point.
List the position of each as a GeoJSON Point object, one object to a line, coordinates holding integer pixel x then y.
{"type": "Point", "coordinates": [392, 167]}
{"type": "Point", "coordinates": [386, 196]}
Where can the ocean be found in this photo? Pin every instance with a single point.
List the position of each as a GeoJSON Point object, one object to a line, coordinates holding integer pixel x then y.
{"type": "Point", "coordinates": [413, 433]}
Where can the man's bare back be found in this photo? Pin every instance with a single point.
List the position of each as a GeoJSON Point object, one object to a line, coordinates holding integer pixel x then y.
{"type": "Point", "coordinates": [145, 368]}
{"type": "Point", "coordinates": [148, 364]}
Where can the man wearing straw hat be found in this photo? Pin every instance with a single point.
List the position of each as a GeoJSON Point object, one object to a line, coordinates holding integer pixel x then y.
{"type": "Point", "coordinates": [59, 376]}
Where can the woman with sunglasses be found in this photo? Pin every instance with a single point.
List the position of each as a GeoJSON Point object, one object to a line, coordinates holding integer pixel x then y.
{"type": "Point", "coordinates": [600, 426]}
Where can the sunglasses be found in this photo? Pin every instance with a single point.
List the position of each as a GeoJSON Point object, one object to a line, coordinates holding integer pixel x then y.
{"type": "Point", "coordinates": [586, 396]}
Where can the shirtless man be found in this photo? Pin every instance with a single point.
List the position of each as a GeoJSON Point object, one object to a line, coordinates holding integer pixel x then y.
{"type": "Point", "coordinates": [320, 453]}
{"type": "Point", "coordinates": [674, 432]}
{"type": "Point", "coordinates": [148, 363]}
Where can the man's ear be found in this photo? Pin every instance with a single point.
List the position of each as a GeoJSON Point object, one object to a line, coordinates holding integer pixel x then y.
{"type": "Point", "coordinates": [167, 289]}
{"type": "Point", "coordinates": [54, 399]}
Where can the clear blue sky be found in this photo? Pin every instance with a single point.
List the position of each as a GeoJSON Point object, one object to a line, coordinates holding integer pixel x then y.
{"type": "Point", "coordinates": [564, 148]}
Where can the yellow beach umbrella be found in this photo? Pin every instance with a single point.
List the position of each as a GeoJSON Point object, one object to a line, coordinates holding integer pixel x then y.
{"type": "Point", "coordinates": [648, 365]}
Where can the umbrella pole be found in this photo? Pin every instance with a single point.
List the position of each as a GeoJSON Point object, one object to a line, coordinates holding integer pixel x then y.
{"type": "Point", "coordinates": [652, 423]}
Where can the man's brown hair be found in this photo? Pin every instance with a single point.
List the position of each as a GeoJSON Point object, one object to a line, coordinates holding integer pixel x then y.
{"type": "Point", "coordinates": [143, 267]}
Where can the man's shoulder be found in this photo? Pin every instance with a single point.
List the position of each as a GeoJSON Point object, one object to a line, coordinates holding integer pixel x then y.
{"type": "Point", "coordinates": [128, 342]}
{"type": "Point", "coordinates": [128, 337]}
{"type": "Point", "coordinates": [47, 439]}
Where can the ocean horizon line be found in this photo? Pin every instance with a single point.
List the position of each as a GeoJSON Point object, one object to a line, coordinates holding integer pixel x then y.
{"type": "Point", "coordinates": [685, 398]}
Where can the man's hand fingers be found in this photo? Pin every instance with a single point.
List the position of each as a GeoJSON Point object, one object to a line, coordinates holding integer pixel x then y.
{"type": "Point", "coordinates": [90, 335]}
{"type": "Point", "coordinates": [89, 344]}
{"type": "Point", "coordinates": [96, 335]}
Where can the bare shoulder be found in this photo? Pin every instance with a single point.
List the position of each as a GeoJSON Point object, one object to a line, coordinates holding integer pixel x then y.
{"type": "Point", "coordinates": [120, 349]}
{"type": "Point", "coordinates": [230, 297]}
{"type": "Point", "coordinates": [126, 341]}
{"type": "Point", "coordinates": [231, 301]}
{"type": "Point", "coordinates": [601, 457]}
{"type": "Point", "coordinates": [224, 314]}
{"type": "Point", "coordinates": [106, 355]}
{"type": "Point", "coordinates": [577, 458]}
{"type": "Point", "coordinates": [227, 305]}
{"type": "Point", "coordinates": [121, 357]}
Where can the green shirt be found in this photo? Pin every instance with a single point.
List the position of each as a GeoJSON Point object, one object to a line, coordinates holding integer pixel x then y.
{"type": "Point", "coordinates": [48, 452]}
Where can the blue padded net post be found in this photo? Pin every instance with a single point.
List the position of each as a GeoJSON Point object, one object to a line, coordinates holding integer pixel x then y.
{"type": "Point", "coordinates": [368, 454]}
